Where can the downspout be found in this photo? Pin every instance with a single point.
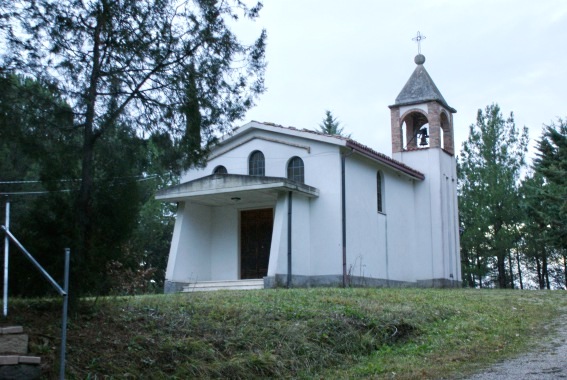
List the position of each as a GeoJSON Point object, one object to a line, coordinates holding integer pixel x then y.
{"type": "Point", "coordinates": [343, 206]}
{"type": "Point", "coordinates": [289, 240]}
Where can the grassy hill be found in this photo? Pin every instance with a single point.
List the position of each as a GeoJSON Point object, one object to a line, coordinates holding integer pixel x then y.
{"type": "Point", "coordinates": [297, 333]}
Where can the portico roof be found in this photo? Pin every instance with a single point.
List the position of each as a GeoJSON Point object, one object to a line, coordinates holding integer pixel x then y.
{"type": "Point", "coordinates": [231, 189]}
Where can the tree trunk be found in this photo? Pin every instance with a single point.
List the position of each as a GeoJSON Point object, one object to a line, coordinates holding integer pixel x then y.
{"type": "Point", "coordinates": [501, 266]}
{"type": "Point", "coordinates": [565, 269]}
{"type": "Point", "coordinates": [467, 270]}
{"type": "Point", "coordinates": [84, 204]}
{"type": "Point", "coordinates": [511, 272]}
{"type": "Point", "coordinates": [500, 257]}
{"type": "Point", "coordinates": [539, 274]}
{"type": "Point", "coordinates": [545, 272]}
{"type": "Point", "coordinates": [519, 269]}
{"type": "Point", "coordinates": [478, 269]}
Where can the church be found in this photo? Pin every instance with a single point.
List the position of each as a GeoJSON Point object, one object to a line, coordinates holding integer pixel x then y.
{"type": "Point", "coordinates": [279, 206]}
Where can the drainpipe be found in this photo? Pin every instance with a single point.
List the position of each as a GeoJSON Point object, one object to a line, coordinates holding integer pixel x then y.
{"type": "Point", "coordinates": [289, 240]}
{"type": "Point", "coordinates": [343, 206]}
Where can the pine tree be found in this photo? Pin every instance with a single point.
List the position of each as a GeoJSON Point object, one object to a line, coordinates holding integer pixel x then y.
{"type": "Point", "coordinates": [331, 126]}
{"type": "Point", "coordinates": [547, 204]}
{"type": "Point", "coordinates": [488, 170]}
{"type": "Point", "coordinates": [145, 65]}
{"type": "Point", "coordinates": [551, 164]}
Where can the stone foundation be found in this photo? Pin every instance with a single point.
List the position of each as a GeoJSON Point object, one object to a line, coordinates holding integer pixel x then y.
{"type": "Point", "coordinates": [297, 281]}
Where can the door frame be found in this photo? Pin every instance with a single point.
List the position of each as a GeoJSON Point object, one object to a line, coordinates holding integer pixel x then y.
{"type": "Point", "coordinates": [240, 242]}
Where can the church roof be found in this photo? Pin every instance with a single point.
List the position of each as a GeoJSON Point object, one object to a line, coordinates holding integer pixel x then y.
{"type": "Point", "coordinates": [420, 88]}
{"type": "Point", "coordinates": [338, 140]}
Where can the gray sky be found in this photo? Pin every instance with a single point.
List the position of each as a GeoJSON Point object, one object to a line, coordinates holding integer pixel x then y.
{"type": "Point", "coordinates": [354, 57]}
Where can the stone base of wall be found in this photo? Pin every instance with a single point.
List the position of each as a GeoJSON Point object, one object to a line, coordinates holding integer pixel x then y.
{"type": "Point", "coordinates": [173, 287]}
{"type": "Point", "coordinates": [297, 281]}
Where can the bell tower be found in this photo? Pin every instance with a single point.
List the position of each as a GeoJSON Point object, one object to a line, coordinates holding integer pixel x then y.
{"type": "Point", "coordinates": [423, 138]}
{"type": "Point", "coordinates": [421, 118]}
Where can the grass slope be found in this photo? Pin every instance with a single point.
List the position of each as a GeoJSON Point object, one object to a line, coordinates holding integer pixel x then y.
{"type": "Point", "coordinates": [297, 333]}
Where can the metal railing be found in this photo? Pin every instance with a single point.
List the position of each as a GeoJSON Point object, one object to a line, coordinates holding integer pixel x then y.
{"type": "Point", "coordinates": [63, 291]}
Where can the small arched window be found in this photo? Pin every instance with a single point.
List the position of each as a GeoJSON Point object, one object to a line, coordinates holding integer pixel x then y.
{"type": "Point", "coordinates": [380, 192]}
{"type": "Point", "coordinates": [296, 170]}
{"type": "Point", "coordinates": [220, 170]}
{"type": "Point", "coordinates": [257, 164]}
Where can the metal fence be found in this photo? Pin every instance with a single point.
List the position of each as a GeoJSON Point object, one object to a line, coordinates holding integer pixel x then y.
{"type": "Point", "coordinates": [63, 291]}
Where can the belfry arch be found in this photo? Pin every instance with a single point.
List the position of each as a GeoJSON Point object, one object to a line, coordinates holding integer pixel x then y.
{"type": "Point", "coordinates": [421, 118]}
{"type": "Point", "coordinates": [446, 128]}
{"type": "Point", "coordinates": [415, 127]}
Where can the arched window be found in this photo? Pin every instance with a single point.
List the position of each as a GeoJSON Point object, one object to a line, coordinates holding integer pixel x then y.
{"type": "Point", "coordinates": [257, 164]}
{"type": "Point", "coordinates": [220, 170]}
{"type": "Point", "coordinates": [380, 192]}
{"type": "Point", "coordinates": [296, 170]}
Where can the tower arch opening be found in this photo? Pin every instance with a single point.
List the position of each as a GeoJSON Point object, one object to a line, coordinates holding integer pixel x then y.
{"type": "Point", "coordinates": [415, 130]}
{"type": "Point", "coordinates": [446, 135]}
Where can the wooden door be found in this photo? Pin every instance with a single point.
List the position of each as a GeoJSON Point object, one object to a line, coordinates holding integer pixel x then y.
{"type": "Point", "coordinates": [255, 241]}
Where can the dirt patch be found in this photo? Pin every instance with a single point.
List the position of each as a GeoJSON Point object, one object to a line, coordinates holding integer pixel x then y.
{"type": "Point", "coordinates": [547, 361]}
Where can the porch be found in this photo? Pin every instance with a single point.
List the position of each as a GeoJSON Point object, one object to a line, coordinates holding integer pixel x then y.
{"type": "Point", "coordinates": [231, 228]}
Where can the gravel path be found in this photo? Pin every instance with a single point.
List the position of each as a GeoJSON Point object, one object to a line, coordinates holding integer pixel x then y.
{"type": "Point", "coordinates": [547, 361]}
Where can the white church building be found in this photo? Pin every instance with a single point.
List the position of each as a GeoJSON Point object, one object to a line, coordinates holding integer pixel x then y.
{"type": "Point", "coordinates": [292, 207]}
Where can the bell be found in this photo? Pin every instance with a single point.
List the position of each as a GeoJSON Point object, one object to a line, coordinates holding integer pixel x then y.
{"type": "Point", "coordinates": [424, 137]}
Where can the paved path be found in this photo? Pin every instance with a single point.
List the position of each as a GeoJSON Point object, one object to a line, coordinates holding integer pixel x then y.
{"type": "Point", "coordinates": [547, 361]}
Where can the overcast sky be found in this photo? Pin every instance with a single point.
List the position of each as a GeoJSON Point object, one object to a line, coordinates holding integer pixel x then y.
{"type": "Point", "coordinates": [354, 57]}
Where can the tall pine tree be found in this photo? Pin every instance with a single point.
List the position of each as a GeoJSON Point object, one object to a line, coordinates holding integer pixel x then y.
{"type": "Point", "coordinates": [146, 66]}
{"type": "Point", "coordinates": [489, 172]}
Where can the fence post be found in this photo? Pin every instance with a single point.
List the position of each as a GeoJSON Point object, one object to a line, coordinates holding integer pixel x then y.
{"type": "Point", "coordinates": [64, 319]}
{"type": "Point", "coordinates": [6, 257]}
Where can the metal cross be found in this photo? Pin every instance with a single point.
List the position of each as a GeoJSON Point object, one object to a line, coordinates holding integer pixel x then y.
{"type": "Point", "coordinates": [418, 39]}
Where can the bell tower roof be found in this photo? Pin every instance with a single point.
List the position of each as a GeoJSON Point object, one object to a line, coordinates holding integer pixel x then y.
{"type": "Point", "coordinates": [420, 88]}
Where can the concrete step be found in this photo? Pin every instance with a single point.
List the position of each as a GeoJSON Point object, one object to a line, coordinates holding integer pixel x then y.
{"type": "Point", "coordinates": [204, 286]}
{"type": "Point", "coordinates": [19, 367]}
{"type": "Point", "coordinates": [19, 359]}
{"type": "Point", "coordinates": [14, 362]}
{"type": "Point", "coordinates": [13, 340]}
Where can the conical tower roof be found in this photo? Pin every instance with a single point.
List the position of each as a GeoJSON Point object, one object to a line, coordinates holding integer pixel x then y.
{"type": "Point", "coordinates": [420, 88]}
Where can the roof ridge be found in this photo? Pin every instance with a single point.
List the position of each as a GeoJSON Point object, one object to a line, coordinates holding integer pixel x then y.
{"type": "Point", "coordinates": [420, 88]}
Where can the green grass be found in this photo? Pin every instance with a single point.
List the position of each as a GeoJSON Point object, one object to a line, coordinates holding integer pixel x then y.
{"type": "Point", "coordinates": [298, 333]}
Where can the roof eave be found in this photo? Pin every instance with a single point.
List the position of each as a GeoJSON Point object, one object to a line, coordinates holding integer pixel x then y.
{"type": "Point", "coordinates": [231, 183]}
{"type": "Point", "coordinates": [398, 166]}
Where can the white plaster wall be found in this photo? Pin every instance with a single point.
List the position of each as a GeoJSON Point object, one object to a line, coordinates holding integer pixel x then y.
{"type": "Point", "coordinates": [189, 255]}
{"type": "Point", "coordinates": [326, 216]}
{"type": "Point", "coordinates": [278, 249]}
{"type": "Point", "coordinates": [301, 235]}
{"type": "Point", "coordinates": [380, 245]}
{"type": "Point", "coordinates": [404, 260]}
{"type": "Point", "coordinates": [176, 241]}
{"type": "Point", "coordinates": [322, 170]}
{"type": "Point", "coordinates": [436, 212]}
{"type": "Point", "coordinates": [270, 144]}
{"type": "Point", "coordinates": [365, 234]}
{"type": "Point", "coordinates": [225, 264]}
{"type": "Point", "coordinates": [449, 165]}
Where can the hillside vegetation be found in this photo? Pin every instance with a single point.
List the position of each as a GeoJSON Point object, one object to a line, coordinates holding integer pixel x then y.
{"type": "Point", "coordinates": [297, 333]}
